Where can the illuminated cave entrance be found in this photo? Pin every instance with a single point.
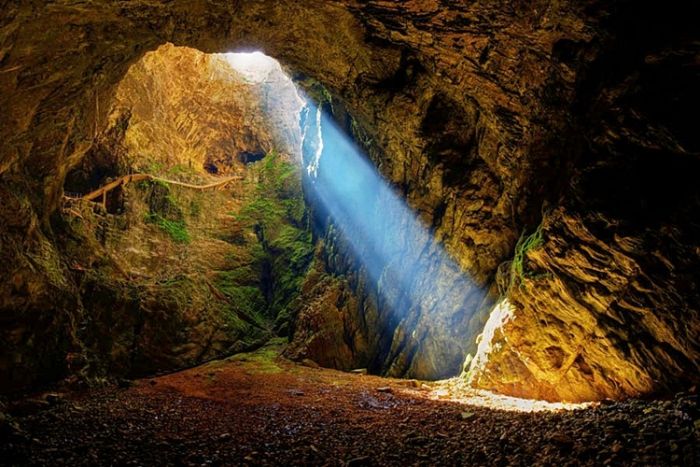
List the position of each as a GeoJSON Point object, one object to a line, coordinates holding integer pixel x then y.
{"type": "Point", "coordinates": [332, 259]}
{"type": "Point", "coordinates": [243, 205]}
{"type": "Point", "coordinates": [230, 202]}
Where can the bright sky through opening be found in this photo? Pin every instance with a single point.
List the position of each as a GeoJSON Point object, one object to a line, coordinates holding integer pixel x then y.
{"type": "Point", "coordinates": [254, 66]}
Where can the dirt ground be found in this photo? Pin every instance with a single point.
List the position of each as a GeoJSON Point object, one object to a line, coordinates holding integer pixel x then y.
{"type": "Point", "coordinates": [260, 409]}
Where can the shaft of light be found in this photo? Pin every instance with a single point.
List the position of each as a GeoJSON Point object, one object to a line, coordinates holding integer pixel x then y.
{"type": "Point", "coordinates": [424, 289]}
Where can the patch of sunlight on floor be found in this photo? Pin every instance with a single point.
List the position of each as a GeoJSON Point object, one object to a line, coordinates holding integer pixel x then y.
{"type": "Point", "coordinates": [456, 390]}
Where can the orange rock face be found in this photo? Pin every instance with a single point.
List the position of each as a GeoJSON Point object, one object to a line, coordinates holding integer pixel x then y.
{"type": "Point", "coordinates": [491, 119]}
{"type": "Point", "coordinates": [190, 109]}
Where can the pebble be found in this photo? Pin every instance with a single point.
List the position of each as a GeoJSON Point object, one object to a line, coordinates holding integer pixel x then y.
{"type": "Point", "coordinates": [169, 426]}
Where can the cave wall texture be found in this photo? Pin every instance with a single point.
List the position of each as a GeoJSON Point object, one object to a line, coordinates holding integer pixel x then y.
{"type": "Point", "coordinates": [492, 118]}
{"type": "Point", "coordinates": [177, 111]}
{"type": "Point", "coordinates": [190, 109]}
{"type": "Point", "coordinates": [165, 277]}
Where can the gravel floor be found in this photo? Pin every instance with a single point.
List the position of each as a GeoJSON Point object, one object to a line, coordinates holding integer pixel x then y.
{"type": "Point", "coordinates": [258, 409]}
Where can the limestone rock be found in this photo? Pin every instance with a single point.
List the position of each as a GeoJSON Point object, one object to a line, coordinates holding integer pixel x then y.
{"type": "Point", "coordinates": [480, 114]}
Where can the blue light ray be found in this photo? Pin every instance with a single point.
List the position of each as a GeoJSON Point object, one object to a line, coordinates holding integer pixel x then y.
{"type": "Point", "coordinates": [428, 310]}
{"type": "Point", "coordinates": [420, 286]}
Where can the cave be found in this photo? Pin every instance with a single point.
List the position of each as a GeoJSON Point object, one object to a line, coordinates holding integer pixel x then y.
{"type": "Point", "coordinates": [349, 233]}
{"type": "Point", "coordinates": [248, 157]}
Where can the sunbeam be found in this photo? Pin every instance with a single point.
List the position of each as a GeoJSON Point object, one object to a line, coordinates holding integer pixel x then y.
{"type": "Point", "coordinates": [429, 307]}
{"type": "Point", "coordinates": [420, 286]}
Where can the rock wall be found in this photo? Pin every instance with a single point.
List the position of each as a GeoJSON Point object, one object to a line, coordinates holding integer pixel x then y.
{"type": "Point", "coordinates": [606, 305]}
{"type": "Point", "coordinates": [178, 113]}
{"type": "Point", "coordinates": [191, 110]}
{"type": "Point", "coordinates": [152, 283]}
{"type": "Point", "coordinates": [167, 277]}
{"type": "Point", "coordinates": [481, 114]}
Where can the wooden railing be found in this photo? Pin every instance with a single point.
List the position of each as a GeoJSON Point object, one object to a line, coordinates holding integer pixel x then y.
{"type": "Point", "coordinates": [101, 193]}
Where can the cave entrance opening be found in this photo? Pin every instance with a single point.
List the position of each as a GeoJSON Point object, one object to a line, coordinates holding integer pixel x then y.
{"type": "Point", "coordinates": [405, 283]}
{"type": "Point", "coordinates": [258, 188]}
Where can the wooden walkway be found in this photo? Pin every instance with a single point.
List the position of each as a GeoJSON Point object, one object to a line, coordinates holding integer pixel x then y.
{"type": "Point", "coordinates": [100, 195]}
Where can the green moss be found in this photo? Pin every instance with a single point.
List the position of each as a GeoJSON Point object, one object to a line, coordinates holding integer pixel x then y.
{"type": "Point", "coordinates": [274, 209]}
{"type": "Point", "coordinates": [295, 243]}
{"type": "Point", "coordinates": [161, 200]}
{"type": "Point", "coordinates": [263, 360]}
{"type": "Point", "coordinates": [154, 167]}
{"type": "Point", "coordinates": [195, 207]}
{"type": "Point", "coordinates": [245, 297]}
{"type": "Point", "coordinates": [241, 275]}
{"type": "Point", "coordinates": [274, 193]}
{"type": "Point", "coordinates": [245, 300]}
{"type": "Point", "coordinates": [291, 251]}
{"type": "Point", "coordinates": [235, 323]}
{"type": "Point", "coordinates": [176, 230]}
{"type": "Point", "coordinates": [262, 211]}
{"type": "Point", "coordinates": [165, 212]}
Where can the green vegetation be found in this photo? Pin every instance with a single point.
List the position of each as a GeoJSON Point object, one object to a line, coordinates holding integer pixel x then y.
{"type": "Point", "coordinates": [154, 167]}
{"type": "Point", "coordinates": [274, 194]}
{"type": "Point", "coordinates": [195, 207]}
{"type": "Point", "coordinates": [292, 252]}
{"type": "Point", "coordinates": [178, 292]}
{"type": "Point", "coordinates": [243, 293]}
{"type": "Point", "coordinates": [525, 244]}
{"type": "Point", "coordinates": [177, 230]}
{"type": "Point", "coordinates": [275, 211]}
{"type": "Point", "coordinates": [264, 274]}
{"type": "Point", "coordinates": [262, 360]}
{"type": "Point", "coordinates": [297, 243]}
{"type": "Point", "coordinates": [165, 212]}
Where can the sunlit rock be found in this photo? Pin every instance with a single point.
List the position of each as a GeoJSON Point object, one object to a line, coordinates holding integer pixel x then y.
{"type": "Point", "coordinates": [488, 121]}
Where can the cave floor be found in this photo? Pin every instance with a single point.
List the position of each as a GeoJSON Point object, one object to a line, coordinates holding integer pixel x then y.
{"type": "Point", "coordinates": [260, 409]}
